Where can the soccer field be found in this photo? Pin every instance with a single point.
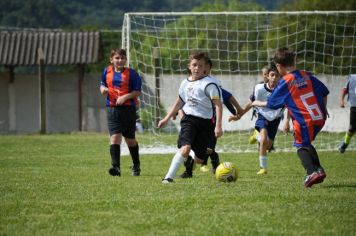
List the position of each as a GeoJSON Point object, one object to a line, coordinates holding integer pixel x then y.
{"type": "Point", "coordinates": [59, 185]}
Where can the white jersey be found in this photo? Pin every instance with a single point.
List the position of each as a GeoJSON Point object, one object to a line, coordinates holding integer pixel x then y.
{"type": "Point", "coordinates": [262, 93]}
{"type": "Point", "coordinates": [197, 96]}
{"type": "Point", "coordinates": [351, 89]}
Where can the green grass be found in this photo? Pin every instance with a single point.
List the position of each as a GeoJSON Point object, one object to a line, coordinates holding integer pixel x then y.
{"type": "Point", "coordinates": [58, 185]}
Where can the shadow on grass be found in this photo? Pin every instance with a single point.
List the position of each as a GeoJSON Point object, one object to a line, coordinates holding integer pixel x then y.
{"type": "Point", "coordinates": [343, 185]}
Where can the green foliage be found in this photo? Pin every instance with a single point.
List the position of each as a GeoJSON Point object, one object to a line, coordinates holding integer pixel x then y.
{"type": "Point", "coordinates": [59, 185]}
{"type": "Point", "coordinates": [182, 35]}
{"type": "Point", "coordinates": [320, 43]}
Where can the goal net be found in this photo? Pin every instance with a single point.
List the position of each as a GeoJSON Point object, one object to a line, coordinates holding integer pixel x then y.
{"type": "Point", "coordinates": [240, 44]}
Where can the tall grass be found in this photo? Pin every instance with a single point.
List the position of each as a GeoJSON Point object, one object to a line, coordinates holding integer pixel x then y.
{"type": "Point", "coordinates": [59, 185]}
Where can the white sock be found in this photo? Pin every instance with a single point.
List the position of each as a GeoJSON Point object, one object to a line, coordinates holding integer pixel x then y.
{"type": "Point", "coordinates": [177, 161]}
{"type": "Point", "coordinates": [263, 162]}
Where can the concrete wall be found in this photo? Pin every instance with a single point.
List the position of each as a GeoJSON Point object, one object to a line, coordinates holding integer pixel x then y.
{"type": "Point", "coordinates": [19, 101]}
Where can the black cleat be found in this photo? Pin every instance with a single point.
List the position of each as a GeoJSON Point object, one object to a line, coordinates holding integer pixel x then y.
{"type": "Point", "coordinates": [342, 147]}
{"type": "Point", "coordinates": [186, 175]}
{"type": "Point", "coordinates": [136, 170]}
{"type": "Point", "coordinates": [114, 171]}
{"type": "Point", "coordinates": [167, 181]}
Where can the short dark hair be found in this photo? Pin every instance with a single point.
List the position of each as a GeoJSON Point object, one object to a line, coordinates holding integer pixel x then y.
{"type": "Point", "coordinates": [199, 55]}
{"type": "Point", "coordinates": [118, 51]}
{"type": "Point", "coordinates": [284, 56]}
{"type": "Point", "coordinates": [272, 67]}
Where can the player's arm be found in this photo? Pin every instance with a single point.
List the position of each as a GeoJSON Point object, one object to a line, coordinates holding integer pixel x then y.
{"type": "Point", "coordinates": [286, 126]}
{"type": "Point", "coordinates": [104, 90]}
{"type": "Point", "coordinates": [342, 97]}
{"type": "Point", "coordinates": [103, 86]}
{"type": "Point", "coordinates": [258, 103]}
{"type": "Point", "coordinates": [248, 105]}
{"type": "Point", "coordinates": [218, 109]}
{"type": "Point", "coordinates": [238, 108]}
{"type": "Point", "coordinates": [214, 92]}
{"type": "Point", "coordinates": [236, 104]}
{"type": "Point", "coordinates": [326, 103]}
{"type": "Point", "coordinates": [172, 113]}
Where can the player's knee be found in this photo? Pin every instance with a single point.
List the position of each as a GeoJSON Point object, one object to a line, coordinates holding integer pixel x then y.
{"type": "Point", "coordinates": [115, 139]}
{"type": "Point", "coordinates": [131, 142]}
{"type": "Point", "coordinates": [185, 150]}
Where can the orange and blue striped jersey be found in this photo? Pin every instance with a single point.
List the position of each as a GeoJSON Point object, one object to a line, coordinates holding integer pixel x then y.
{"type": "Point", "coordinates": [119, 84]}
{"type": "Point", "coordinates": [303, 94]}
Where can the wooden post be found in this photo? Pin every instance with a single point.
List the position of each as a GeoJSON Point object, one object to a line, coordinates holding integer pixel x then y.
{"type": "Point", "coordinates": [157, 84]}
{"type": "Point", "coordinates": [41, 75]}
{"type": "Point", "coordinates": [80, 96]}
{"type": "Point", "coordinates": [12, 100]}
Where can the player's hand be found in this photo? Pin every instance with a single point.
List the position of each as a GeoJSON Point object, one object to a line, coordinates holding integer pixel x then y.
{"type": "Point", "coordinates": [120, 101]}
{"type": "Point", "coordinates": [286, 128]}
{"type": "Point", "coordinates": [218, 132]}
{"type": "Point", "coordinates": [254, 103]}
{"type": "Point", "coordinates": [233, 118]}
{"type": "Point", "coordinates": [342, 103]}
{"type": "Point", "coordinates": [162, 122]}
{"type": "Point", "coordinates": [104, 90]}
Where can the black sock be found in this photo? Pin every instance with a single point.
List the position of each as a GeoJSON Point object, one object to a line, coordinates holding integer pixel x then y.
{"type": "Point", "coordinates": [135, 155]}
{"type": "Point", "coordinates": [214, 158]}
{"type": "Point", "coordinates": [189, 163]}
{"type": "Point", "coordinates": [315, 157]}
{"type": "Point", "coordinates": [115, 155]}
{"type": "Point", "coordinates": [306, 160]}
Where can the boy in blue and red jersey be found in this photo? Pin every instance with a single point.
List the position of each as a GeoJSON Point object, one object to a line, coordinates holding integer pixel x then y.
{"type": "Point", "coordinates": [122, 85]}
{"type": "Point", "coordinates": [305, 97]}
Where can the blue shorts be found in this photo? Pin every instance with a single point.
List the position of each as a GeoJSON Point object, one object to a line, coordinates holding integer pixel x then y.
{"type": "Point", "coordinates": [270, 126]}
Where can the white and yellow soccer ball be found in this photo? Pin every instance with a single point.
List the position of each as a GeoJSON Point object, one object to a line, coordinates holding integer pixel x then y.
{"type": "Point", "coordinates": [226, 172]}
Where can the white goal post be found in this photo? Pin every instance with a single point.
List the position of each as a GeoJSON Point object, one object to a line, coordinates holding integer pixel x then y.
{"type": "Point", "coordinates": [240, 44]}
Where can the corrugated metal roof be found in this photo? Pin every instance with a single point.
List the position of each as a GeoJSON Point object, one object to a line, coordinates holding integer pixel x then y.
{"type": "Point", "coordinates": [20, 48]}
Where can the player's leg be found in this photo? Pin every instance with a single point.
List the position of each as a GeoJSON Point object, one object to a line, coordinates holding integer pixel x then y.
{"type": "Point", "coordinates": [178, 159]}
{"type": "Point", "coordinates": [203, 132]}
{"type": "Point", "coordinates": [115, 153]}
{"type": "Point", "coordinates": [264, 144]}
{"type": "Point", "coordinates": [132, 144]}
{"type": "Point", "coordinates": [186, 137]}
{"type": "Point", "coordinates": [128, 116]}
{"type": "Point", "coordinates": [261, 126]}
{"type": "Point", "coordinates": [307, 154]}
{"type": "Point", "coordinates": [316, 161]}
{"type": "Point", "coordinates": [115, 130]}
{"type": "Point", "coordinates": [215, 160]}
{"type": "Point", "coordinates": [351, 131]}
{"type": "Point", "coordinates": [267, 139]}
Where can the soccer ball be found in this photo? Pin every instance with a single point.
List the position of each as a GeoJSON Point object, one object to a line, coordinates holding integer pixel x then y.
{"type": "Point", "coordinates": [226, 172]}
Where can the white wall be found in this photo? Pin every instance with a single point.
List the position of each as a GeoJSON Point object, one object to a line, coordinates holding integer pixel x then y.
{"type": "Point", "coordinates": [21, 115]}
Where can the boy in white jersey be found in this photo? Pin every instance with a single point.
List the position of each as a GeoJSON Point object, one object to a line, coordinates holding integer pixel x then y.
{"type": "Point", "coordinates": [268, 119]}
{"type": "Point", "coordinates": [199, 94]}
{"type": "Point", "coordinates": [350, 89]}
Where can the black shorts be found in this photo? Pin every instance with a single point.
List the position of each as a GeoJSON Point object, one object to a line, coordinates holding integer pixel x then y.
{"type": "Point", "coordinates": [197, 132]}
{"type": "Point", "coordinates": [122, 120]}
{"type": "Point", "coordinates": [352, 127]}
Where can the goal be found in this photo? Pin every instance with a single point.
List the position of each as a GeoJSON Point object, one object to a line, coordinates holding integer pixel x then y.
{"type": "Point", "coordinates": [239, 44]}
